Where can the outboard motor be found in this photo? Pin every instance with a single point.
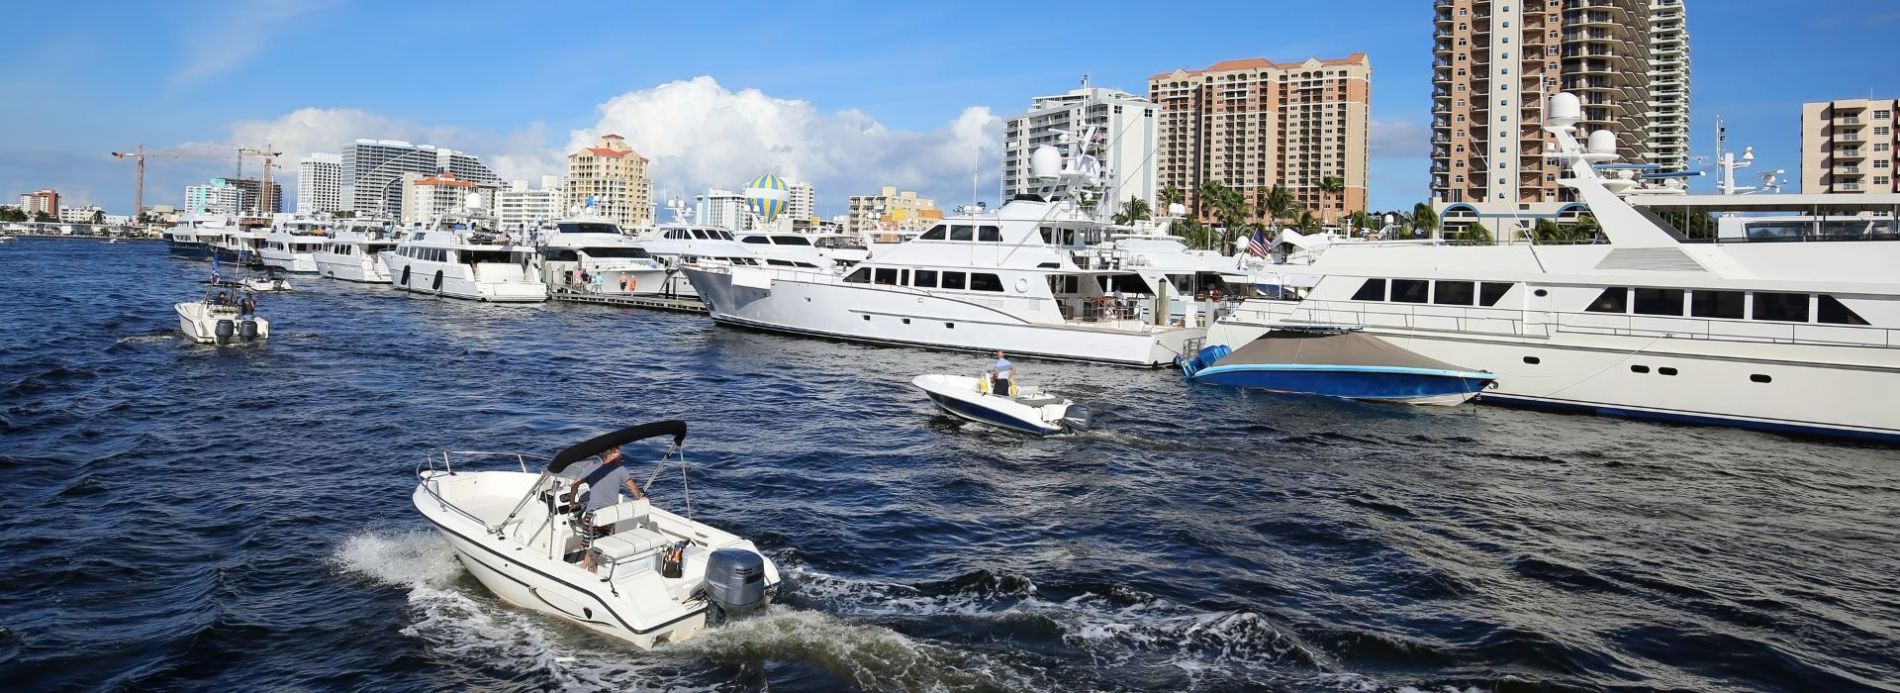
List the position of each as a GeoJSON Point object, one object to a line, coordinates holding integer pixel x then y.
{"type": "Point", "coordinates": [249, 331]}
{"type": "Point", "coordinates": [1076, 418]}
{"type": "Point", "coordinates": [735, 583]}
{"type": "Point", "coordinates": [224, 330]}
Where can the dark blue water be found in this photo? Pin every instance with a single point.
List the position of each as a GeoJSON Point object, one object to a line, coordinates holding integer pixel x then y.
{"type": "Point", "coordinates": [181, 517]}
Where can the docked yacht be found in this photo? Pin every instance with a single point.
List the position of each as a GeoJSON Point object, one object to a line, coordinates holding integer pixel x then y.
{"type": "Point", "coordinates": [658, 577]}
{"type": "Point", "coordinates": [462, 256]}
{"type": "Point", "coordinates": [590, 254]}
{"type": "Point", "coordinates": [676, 245]}
{"type": "Point", "coordinates": [355, 250]}
{"type": "Point", "coordinates": [196, 233]}
{"type": "Point", "coordinates": [239, 244]}
{"type": "Point", "coordinates": [1786, 336]}
{"type": "Point", "coordinates": [979, 281]}
{"type": "Point", "coordinates": [292, 245]}
{"type": "Point", "coordinates": [786, 250]}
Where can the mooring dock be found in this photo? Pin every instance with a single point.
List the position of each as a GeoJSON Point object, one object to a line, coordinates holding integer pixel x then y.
{"type": "Point", "coordinates": [672, 303]}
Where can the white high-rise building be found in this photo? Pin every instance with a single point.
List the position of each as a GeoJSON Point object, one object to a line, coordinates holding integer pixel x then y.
{"type": "Point", "coordinates": [319, 183]}
{"type": "Point", "coordinates": [1668, 85]}
{"type": "Point", "coordinates": [373, 172]}
{"type": "Point", "coordinates": [217, 196]}
{"type": "Point", "coordinates": [1125, 143]}
{"type": "Point", "coordinates": [426, 197]}
{"type": "Point", "coordinates": [725, 209]}
{"type": "Point", "coordinates": [521, 207]}
{"type": "Point", "coordinates": [800, 209]}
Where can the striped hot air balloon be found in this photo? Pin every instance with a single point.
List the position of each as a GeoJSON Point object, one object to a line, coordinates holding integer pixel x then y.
{"type": "Point", "coordinates": [767, 196]}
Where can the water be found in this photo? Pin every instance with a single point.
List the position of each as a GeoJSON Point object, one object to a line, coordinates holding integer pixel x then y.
{"type": "Point", "coordinates": [185, 517]}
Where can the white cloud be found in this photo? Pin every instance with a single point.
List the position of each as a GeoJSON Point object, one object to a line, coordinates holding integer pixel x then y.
{"type": "Point", "coordinates": [699, 134]}
{"type": "Point", "coordinates": [236, 33]}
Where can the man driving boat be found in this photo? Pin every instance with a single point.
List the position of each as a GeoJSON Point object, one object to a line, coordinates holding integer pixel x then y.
{"type": "Point", "coordinates": [603, 490]}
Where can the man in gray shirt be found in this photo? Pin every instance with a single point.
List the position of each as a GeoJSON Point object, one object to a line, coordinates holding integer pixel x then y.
{"type": "Point", "coordinates": [603, 490]}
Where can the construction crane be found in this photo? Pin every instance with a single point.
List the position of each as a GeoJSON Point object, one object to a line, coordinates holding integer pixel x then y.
{"type": "Point", "coordinates": [138, 157]}
{"type": "Point", "coordinates": [270, 159]}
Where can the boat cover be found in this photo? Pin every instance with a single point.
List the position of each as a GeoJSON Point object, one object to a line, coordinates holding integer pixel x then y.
{"type": "Point", "coordinates": [600, 443]}
{"type": "Point", "coordinates": [1329, 349]}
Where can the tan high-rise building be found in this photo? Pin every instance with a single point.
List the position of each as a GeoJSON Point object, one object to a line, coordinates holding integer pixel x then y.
{"type": "Point", "coordinates": [1251, 124]}
{"type": "Point", "coordinates": [615, 178]}
{"type": "Point", "coordinates": [1494, 64]}
{"type": "Point", "coordinates": [889, 211]}
{"type": "Point", "coordinates": [1849, 146]}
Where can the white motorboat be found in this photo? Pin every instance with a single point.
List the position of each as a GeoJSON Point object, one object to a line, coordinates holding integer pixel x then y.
{"type": "Point", "coordinates": [658, 577]}
{"type": "Point", "coordinates": [226, 315]}
{"type": "Point", "coordinates": [591, 254]}
{"type": "Point", "coordinates": [292, 245]}
{"type": "Point", "coordinates": [265, 284]}
{"type": "Point", "coordinates": [981, 282]}
{"type": "Point", "coordinates": [1026, 409]}
{"type": "Point", "coordinates": [1795, 334]}
{"type": "Point", "coordinates": [355, 251]}
{"type": "Point", "coordinates": [461, 256]}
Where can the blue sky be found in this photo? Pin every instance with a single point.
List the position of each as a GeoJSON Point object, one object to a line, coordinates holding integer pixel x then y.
{"type": "Point", "coordinates": [846, 94]}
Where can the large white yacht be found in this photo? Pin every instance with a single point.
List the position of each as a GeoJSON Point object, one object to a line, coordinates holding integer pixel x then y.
{"type": "Point", "coordinates": [977, 282]}
{"type": "Point", "coordinates": [676, 245]}
{"type": "Point", "coordinates": [196, 233]}
{"type": "Point", "coordinates": [1785, 336]}
{"type": "Point", "coordinates": [291, 245]}
{"type": "Point", "coordinates": [462, 256]}
{"type": "Point", "coordinates": [785, 249]}
{"type": "Point", "coordinates": [590, 254]}
{"type": "Point", "coordinates": [355, 251]}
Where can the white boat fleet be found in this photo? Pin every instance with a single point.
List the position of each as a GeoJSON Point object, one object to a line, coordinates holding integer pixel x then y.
{"type": "Point", "coordinates": [1746, 328]}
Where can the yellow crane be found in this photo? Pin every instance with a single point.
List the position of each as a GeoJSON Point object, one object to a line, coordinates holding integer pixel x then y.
{"type": "Point", "coordinates": [270, 159]}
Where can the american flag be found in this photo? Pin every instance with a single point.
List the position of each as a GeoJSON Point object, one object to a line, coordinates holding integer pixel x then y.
{"type": "Point", "coordinates": [1257, 245]}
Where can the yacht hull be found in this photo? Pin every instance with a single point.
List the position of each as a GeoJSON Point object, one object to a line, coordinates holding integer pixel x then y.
{"type": "Point", "coordinates": [506, 283]}
{"type": "Point", "coordinates": [350, 269]}
{"type": "Point", "coordinates": [1835, 391]}
{"type": "Point", "coordinates": [1402, 385]}
{"type": "Point", "coordinates": [296, 263]}
{"type": "Point", "coordinates": [868, 314]}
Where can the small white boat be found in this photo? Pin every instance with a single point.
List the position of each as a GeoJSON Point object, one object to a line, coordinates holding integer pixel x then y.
{"type": "Point", "coordinates": [658, 578]}
{"type": "Point", "coordinates": [1028, 409]}
{"type": "Point", "coordinates": [262, 284]}
{"type": "Point", "coordinates": [219, 318]}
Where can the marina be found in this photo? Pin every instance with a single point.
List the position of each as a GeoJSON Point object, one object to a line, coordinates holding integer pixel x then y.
{"type": "Point", "coordinates": [1290, 542]}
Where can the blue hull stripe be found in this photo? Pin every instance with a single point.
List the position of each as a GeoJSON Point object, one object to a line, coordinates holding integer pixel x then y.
{"type": "Point", "coordinates": [1697, 419]}
{"type": "Point", "coordinates": [1362, 382]}
{"type": "Point", "coordinates": [988, 416]}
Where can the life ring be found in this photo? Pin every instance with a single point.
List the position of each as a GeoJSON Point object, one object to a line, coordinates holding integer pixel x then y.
{"type": "Point", "coordinates": [1022, 285]}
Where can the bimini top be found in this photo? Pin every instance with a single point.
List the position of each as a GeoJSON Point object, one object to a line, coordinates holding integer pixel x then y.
{"type": "Point", "coordinates": [1299, 347]}
{"type": "Point", "coordinates": [600, 443]}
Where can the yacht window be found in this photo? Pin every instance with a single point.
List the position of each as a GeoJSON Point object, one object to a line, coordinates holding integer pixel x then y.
{"type": "Point", "coordinates": [1615, 299]}
{"type": "Point", "coordinates": [700, 234]}
{"type": "Point", "coordinates": [1781, 307]}
{"type": "Point", "coordinates": [861, 276]}
{"type": "Point", "coordinates": [1832, 312]}
{"type": "Point", "coordinates": [953, 280]}
{"type": "Point", "coordinates": [934, 234]}
{"type": "Point", "coordinates": [989, 234]}
{"type": "Point", "coordinates": [1716, 304]}
{"type": "Point", "coordinates": [586, 227]}
{"type": "Point", "coordinates": [1454, 293]}
{"type": "Point", "coordinates": [487, 256]}
{"type": "Point", "coordinates": [1659, 302]}
{"type": "Point", "coordinates": [778, 263]}
{"type": "Point", "coordinates": [1410, 290]}
{"type": "Point", "coordinates": [962, 233]}
{"type": "Point", "coordinates": [885, 275]}
{"type": "Point", "coordinates": [1048, 235]}
{"type": "Point", "coordinates": [723, 235]}
{"type": "Point", "coordinates": [985, 282]}
{"type": "Point", "coordinates": [1068, 236]}
{"type": "Point", "coordinates": [805, 265]}
{"type": "Point", "coordinates": [789, 240]}
{"type": "Point", "coordinates": [1372, 290]}
{"type": "Point", "coordinates": [755, 240]}
{"type": "Point", "coordinates": [924, 278]}
{"type": "Point", "coordinates": [1489, 293]}
{"type": "Point", "coordinates": [633, 253]}
{"type": "Point", "coordinates": [903, 278]}
{"type": "Point", "coordinates": [562, 255]}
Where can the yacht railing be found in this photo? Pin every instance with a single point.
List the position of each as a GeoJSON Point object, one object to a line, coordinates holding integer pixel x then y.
{"type": "Point", "coordinates": [1544, 324]}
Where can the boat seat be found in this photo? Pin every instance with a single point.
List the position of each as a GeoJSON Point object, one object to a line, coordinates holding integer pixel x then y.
{"type": "Point", "coordinates": [623, 516]}
{"type": "Point", "coordinates": [630, 543]}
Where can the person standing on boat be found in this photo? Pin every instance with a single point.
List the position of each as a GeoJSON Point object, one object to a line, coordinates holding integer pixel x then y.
{"type": "Point", "coordinates": [603, 490]}
{"type": "Point", "coordinates": [1001, 375]}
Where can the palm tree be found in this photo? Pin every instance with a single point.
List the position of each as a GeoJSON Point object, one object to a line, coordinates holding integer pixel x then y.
{"type": "Point", "coordinates": [1548, 231]}
{"type": "Point", "coordinates": [1477, 234]}
{"type": "Point", "coordinates": [1279, 202]}
{"type": "Point", "coordinates": [1170, 195]}
{"type": "Point", "coordinates": [1308, 223]}
{"type": "Point", "coordinates": [1207, 198]}
{"type": "Point", "coordinates": [1588, 227]}
{"type": "Point", "coordinates": [1136, 209]}
{"type": "Point", "coordinates": [1423, 217]}
{"type": "Point", "coordinates": [1331, 186]}
{"type": "Point", "coordinates": [98, 216]}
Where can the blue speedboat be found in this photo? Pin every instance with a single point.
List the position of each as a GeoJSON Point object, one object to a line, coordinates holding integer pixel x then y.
{"type": "Point", "coordinates": [1333, 363]}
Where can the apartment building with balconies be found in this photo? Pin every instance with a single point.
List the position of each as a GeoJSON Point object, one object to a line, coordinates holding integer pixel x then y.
{"type": "Point", "coordinates": [1849, 146]}
{"type": "Point", "coordinates": [1668, 85]}
{"type": "Point", "coordinates": [1254, 123]}
{"type": "Point", "coordinates": [612, 178]}
{"type": "Point", "coordinates": [1496, 62]}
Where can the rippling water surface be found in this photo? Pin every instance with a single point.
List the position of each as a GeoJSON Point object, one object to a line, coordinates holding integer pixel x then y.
{"type": "Point", "coordinates": [187, 517]}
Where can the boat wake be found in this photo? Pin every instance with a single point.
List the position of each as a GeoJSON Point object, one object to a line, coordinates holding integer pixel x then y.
{"type": "Point", "coordinates": [462, 623]}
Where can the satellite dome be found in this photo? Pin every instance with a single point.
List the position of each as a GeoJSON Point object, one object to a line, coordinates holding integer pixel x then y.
{"type": "Point", "coordinates": [1565, 109]}
{"type": "Point", "coordinates": [1603, 142]}
{"type": "Point", "coordinates": [1045, 162]}
{"type": "Point", "coordinates": [767, 196]}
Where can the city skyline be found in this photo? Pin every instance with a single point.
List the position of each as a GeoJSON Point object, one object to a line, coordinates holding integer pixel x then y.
{"type": "Point", "coordinates": [822, 112]}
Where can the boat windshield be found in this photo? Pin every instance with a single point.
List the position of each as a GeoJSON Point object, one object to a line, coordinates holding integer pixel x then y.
{"type": "Point", "coordinates": [587, 227]}
{"type": "Point", "coordinates": [611, 252]}
{"type": "Point", "coordinates": [491, 257]}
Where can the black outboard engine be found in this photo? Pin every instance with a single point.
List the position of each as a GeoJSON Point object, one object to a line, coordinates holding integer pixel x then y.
{"type": "Point", "coordinates": [735, 583]}
{"type": "Point", "coordinates": [224, 330]}
{"type": "Point", "coordinates": [1076, 418]}
{"type": "Point", "coordinates": [249, 331]}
